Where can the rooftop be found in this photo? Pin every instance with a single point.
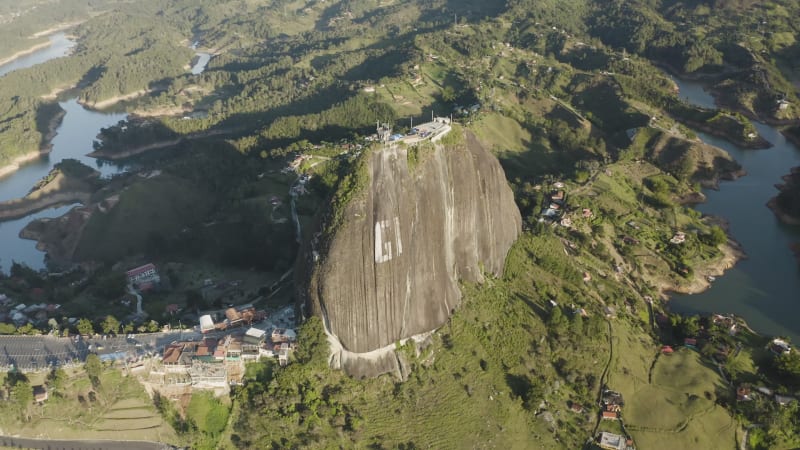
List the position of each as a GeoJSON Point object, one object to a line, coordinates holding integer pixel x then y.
{"type": "Point", "coordinates": [612, 441]}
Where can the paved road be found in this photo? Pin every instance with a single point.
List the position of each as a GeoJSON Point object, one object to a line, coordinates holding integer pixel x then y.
{"type": "Point", "coordinates": [56, 444]}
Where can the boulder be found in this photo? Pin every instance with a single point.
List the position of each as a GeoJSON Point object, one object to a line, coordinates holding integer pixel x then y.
{"type": "Point", "coordinates": [390, 270]}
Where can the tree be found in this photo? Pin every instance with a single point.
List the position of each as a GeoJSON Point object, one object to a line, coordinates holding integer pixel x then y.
{"type": "Point", "coordinates": [715, 237]}
{"type": "Point", "coordinates": [152, 326]}
{"type": "Point", "coordinates": [111, 285]}
{"type": "Point", "coordinates": [576, 327]}
{"type": "Point", "coordinates": [22, 394]}
{"type": "Point", "coordinates": [93, 368]}
{"type": "Point", "coordinates": [194, 299]}
{"type": "Point", "coordinates": [557, 321]}
{"type": "Point", "coordinates": [448, 94]}
{"type": "Point", "coordinates": [56, 379]}
{"type": "Point", "coordinates": [208, 414]}
{"type": "Point", "coordinates": [788, 364]}
{"type": "Point", "coordinates": [690, 326]}
{"type": "Point", "coordinates": [686, 167]}
{"type": "Point", "coordinates": [85, 327]}
{"type": "Point", "coordinates": [110, 324]}
{"type": "Point", "coordinates": [28, 328]}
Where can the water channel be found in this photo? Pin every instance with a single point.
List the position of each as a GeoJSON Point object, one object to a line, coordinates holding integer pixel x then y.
{"type": "Point", "coordinates": [74, 140]}
{"type": "Point", "coordinates": [765, 288]}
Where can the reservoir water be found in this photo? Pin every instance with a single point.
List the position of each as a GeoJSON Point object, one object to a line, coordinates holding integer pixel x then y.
{"type": "Point", "coordinates": [765, 288]}
{"type": "Point", "coordinates": [201, 63]}
{"type": "Point", "coordinates": [60, 45]}
{"type": "Point", "coordinates": [74, 140]}
{"type": "Point", "coordinates": [14, 249]}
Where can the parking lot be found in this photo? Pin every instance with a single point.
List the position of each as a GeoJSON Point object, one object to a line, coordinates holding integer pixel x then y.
{"type": "Point", "coordinates": [32, 353]}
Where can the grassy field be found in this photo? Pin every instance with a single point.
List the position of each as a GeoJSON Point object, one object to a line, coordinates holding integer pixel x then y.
{"type": "Point", "coordinates": [118, 408]}
{"type": "Point", "coordinates": [669, 400]}
{"type": "Point", "coordinates": [502, 134]}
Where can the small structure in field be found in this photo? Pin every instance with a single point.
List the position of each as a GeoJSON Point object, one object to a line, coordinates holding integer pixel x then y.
{"type": "Point", "coordinates": [611, 441]}
{"type": "Point", "coordinates": [39, 394]}
{"type": "Point", "coordinates": [743, 394]}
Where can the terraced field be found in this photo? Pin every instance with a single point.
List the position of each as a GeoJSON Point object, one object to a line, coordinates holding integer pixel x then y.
{"type": "Point", "coordinates": [117, 409]}
{"type": "Point", "coordinates": [128, 415]}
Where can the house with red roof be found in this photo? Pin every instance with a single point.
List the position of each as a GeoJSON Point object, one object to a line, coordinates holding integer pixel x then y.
{"type": "Point", "coordinates": [143, 278]}
{"type": "Point", "coordinates": [610, 415]}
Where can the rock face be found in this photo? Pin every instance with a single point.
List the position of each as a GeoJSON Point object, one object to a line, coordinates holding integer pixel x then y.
{"type": "Point", "coordinates": [391, 270]}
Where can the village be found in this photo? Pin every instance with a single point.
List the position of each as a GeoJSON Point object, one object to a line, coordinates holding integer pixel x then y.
{"type": "Point", "coordinates": [210, 355]}
{"type": "Point", "coordinates": [171, 360]}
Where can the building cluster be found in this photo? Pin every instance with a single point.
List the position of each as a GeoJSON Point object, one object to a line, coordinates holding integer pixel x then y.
{"type": "Point", "coordinates": [554, 205]}
{"type": "Point", "coordinates": [234, 317]}
{"type": "Point", "coordinates": [746, 393]}
{"type": "Point", "coordinates": [611, 404]}
{"type": "Point", "coordinates": [434, 130]}
{"type": "Point", "coordinates": [726, 321]}
{"type": "Point", "coordinates": [295, 164]}
{"type": "Point", "coordinates": [219, 361]}
{"type": "Point", "coordinates": [21, 314]}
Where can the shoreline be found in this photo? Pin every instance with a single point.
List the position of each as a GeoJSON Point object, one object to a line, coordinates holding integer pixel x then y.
{"type": "Point", "coordinates": [116, 156]}
{"type": "Point", "coordinates": [113, 100]}
{"type": "Point", "coordinates": [19, 161]}
{"type": "Point", "coordinates": [790, 184]}
{"type": "Point", "coordinates": [123, 154]}
{"type": "Point", "coordinates": [57, 28]}
{"type": "Point", "coordinates": [732, 253]}
{"type": "Point", "coordinates": [757, 143]}
{"type": "Point", "coordinates": [39, 34]}
{"type": "Point", "coordinates": [772, 204]}
{"type": "Point", "coordinates": [791, 137]}
{"type": "Point", "coordinates": [59, 190]}
{"type": "Point", "coordinates": [10, 211]}
{"type": "Point", "coordinates": [709, 78]}
{"type": "Point", "coordinates": [25, 52]}
{"type": "Point", "coordinates": [752, 115]}
{"type": "Point", "coordinates": [44, 149]}
{"type": "Point", "coordinates": [53, 95]}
